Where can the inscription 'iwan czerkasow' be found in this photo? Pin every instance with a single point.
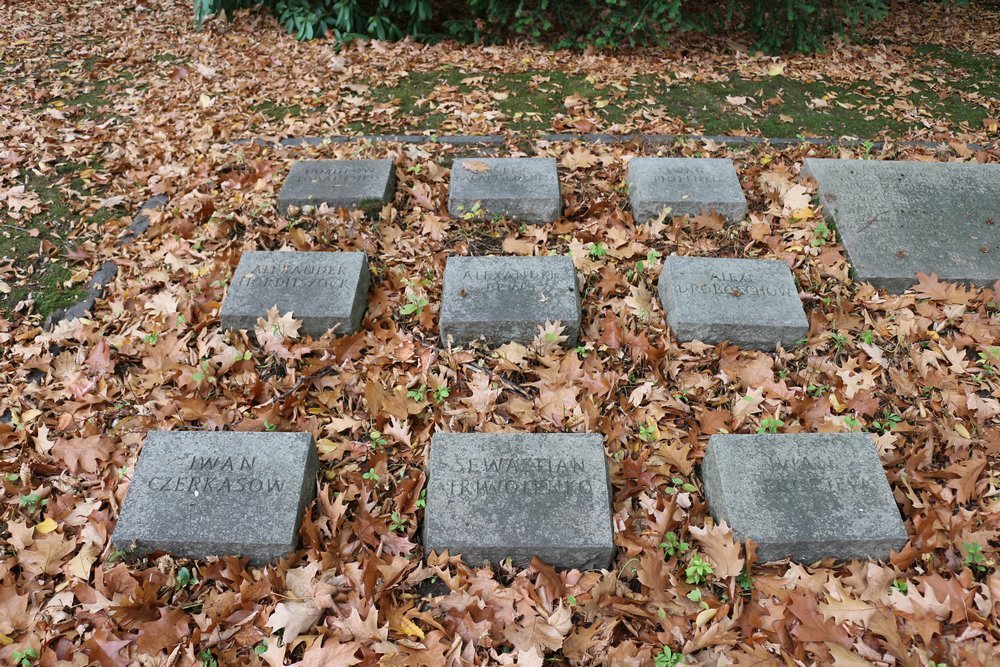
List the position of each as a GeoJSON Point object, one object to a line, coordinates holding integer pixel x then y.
{"type": "Point", "coordinates": [215, 477]}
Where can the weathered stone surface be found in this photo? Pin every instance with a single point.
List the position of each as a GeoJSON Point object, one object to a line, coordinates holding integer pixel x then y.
{"type": "Point", "coordinates": [364, 184]}
{"type": "Point", "coordinates": [326, 290]}
{"type": "Point", "coordinates": [504, 299]}
{"type": "Point", "coordinates": [525, 189]}
{"type": "Point", "coordinates": [687, 186]}
{"type": "Point", "coordinates": [899, 218]}
{"type": "Point", "coordinates": [752, 303]}
{"type": "Point", "coordinates": [804, 496]}
{"type": "Point", "coordinates": [517, 495]}
{"type": "Point", "coordinates": [200, 494]}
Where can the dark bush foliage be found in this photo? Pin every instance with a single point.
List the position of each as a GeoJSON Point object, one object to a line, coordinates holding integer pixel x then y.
{"type": "Point", "coordinates": [802, 25]}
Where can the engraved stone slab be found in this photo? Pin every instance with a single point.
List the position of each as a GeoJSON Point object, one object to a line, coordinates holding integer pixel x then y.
{"type": "Point", "coordinates": [752, 303]}
{"type": "Point", "coordinates": [525, 189]}
{"type": "Point", "coordinates": [364, 184]}
{"type": "Point", "coordinates": [200, 494]}
{"type": "Point", "coordinates": [807, 496]}
{"type": "Point", "coordinates": [687, 186]}
{"type": "Point", "coordinates": [504, 299]}
{"type": "Point", "coordinates": [326, 290]}
{"type": "Point", "coordinates": [517, 495]}
{"type": "Point", "coordinates": [897, 218]}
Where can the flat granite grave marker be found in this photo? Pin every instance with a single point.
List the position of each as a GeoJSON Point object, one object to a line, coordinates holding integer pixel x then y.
{"type": "Point", "coordinates": [805, 495]}
{"type": "Point", "coordinates": [492, 496]}
{"type": "Point", "coordinates": [687, 186]}
{"type": "Point", "coordinates": [200, 494]}
{"type": "Point", "coordinates": [525, 189]}
{"type": "Point", "coordinates": [326, 290]}
{"type": "Point", "coordinates": [361, 184]}
{"type": "Point", "coordinates": [752, 303]}
{"type": "Point", "coordinates": [899, 218]}
{"type": "Point", "coordinates": [504, 299]}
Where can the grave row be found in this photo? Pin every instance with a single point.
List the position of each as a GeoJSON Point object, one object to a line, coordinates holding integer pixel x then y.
{"type": "Point", "coordinates": [753, 303]}
{"type": "Point", "coordinates": [894, 219]}
{"type": "Point", "coordinates": [493, 497]}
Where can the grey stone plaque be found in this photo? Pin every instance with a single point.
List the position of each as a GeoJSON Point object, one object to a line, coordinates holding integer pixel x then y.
{"type": "Point", "coordinates": [514, 495]}
{"type": "Point", "coordinates": [899, 218]}
{"type": "Point", "coordinates": [326, 290]}
{"type": "Point", "coordinates": [200, 494]}
{"type": "Point", "coordinates": [504, 299]}
{"type": "Point", "coordinates": [352, 184]}
{"type": "Point", "coordinates": [525, 189]}
{"type": "Point", "coordinates": [687, 186]}
{"type": "Point", "coordinates": [752, 303]}
{"type": "Point", "coordinates": [804, 496]}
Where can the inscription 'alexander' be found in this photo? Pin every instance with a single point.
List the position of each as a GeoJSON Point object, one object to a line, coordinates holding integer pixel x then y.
{"type": "Point", "coordinates": [218, 475]}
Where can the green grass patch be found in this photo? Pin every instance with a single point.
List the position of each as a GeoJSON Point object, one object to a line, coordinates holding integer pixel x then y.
{"type": "Point", "coordinates": [37, 248]}
{"type": "Point", "coordinates": [776, 107]}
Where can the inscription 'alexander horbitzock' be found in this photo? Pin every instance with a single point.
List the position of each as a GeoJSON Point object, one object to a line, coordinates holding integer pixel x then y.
{"type": "Point", "coordinates": [218, 475]}
{"type": "Point", "coordinates": [283, 275]}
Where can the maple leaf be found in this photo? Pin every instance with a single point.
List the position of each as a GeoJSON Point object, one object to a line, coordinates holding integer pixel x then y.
{"type": "Point", "coordinates": [579, 159]}
{"type": "Point", "coordinates": [46, 554]}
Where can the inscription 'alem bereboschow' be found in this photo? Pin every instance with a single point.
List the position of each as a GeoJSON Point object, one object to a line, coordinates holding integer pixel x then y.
{"type": "Point", "coordinates": [504, 299]}
{"type": "Point", "coordinates": [200, 494]}
{"type": "Point", "coordinates": [896, 219]}
{"type": "Point", "coordinates": [752, 303]}
{"type": "Point", "coordinates": [804, 496]}
{"type": "Point", "coordinates": [510, 495]}
{"type": "Point", "coordinates": [364, 184]}
{"type": "Point", "coordinates": [687, 186]}
{"type": "Point", "coordinates": [525, 189]}
{"type": "Point", "coordinates": [326, 290]}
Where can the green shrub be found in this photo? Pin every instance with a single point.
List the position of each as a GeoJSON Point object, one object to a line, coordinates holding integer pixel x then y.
{"type": "Point", "coordinates": [801, 25]}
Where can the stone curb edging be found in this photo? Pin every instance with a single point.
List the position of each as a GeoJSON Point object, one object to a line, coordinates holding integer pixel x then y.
{"type": "Point", "coordinates": [652, 139]}
{"type": "Point", "coordinates": [109, 269]}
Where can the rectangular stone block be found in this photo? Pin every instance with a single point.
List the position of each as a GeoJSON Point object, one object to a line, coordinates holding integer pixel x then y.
{"type": "Point", "coordinates": [687, 186]}
{"type": "Point", "coordinates": [504, 299]}
{"type": "Point", "coordinates": [326, 290]}
{"type": "Point", "coordinates": [351, 184]}
{"type": "Point", "coordinates": [804, 496]}
{"type": "Point", "coordinates": [525, 189]}
{"type": "Point", "coordinates": [895, 218]}
{"type": "Point", "coordinates": [200, 494]}
{"type": "Point", "coordinates": [752, 303]}
{"type": "Point", "coordinates": [493, 496]}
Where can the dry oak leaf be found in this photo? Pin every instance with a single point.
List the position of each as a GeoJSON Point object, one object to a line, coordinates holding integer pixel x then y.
{"type": "Point", "coordinates": [13, 610]}
{"type": "Point", "coordinates": [812, 626]}
{"type": "Point", "coordinates": [718, 544]}
{"type": "Point", "coordinates": [293, 618]}
{"type": "Point", "coordinates": [966, 475]}
{"type": "Point", "coordinates": [477, 166]}
{"type": "Point", "coordinates": [82, 454]}
{"type": "Point", "coordinates": [46, 555]}
{"type": "Point", "coordinates": [105, 649]}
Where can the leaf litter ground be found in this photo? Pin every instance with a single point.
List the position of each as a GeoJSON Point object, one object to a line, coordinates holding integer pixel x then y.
{"type": "Point", "coordinates": [133, 104]}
